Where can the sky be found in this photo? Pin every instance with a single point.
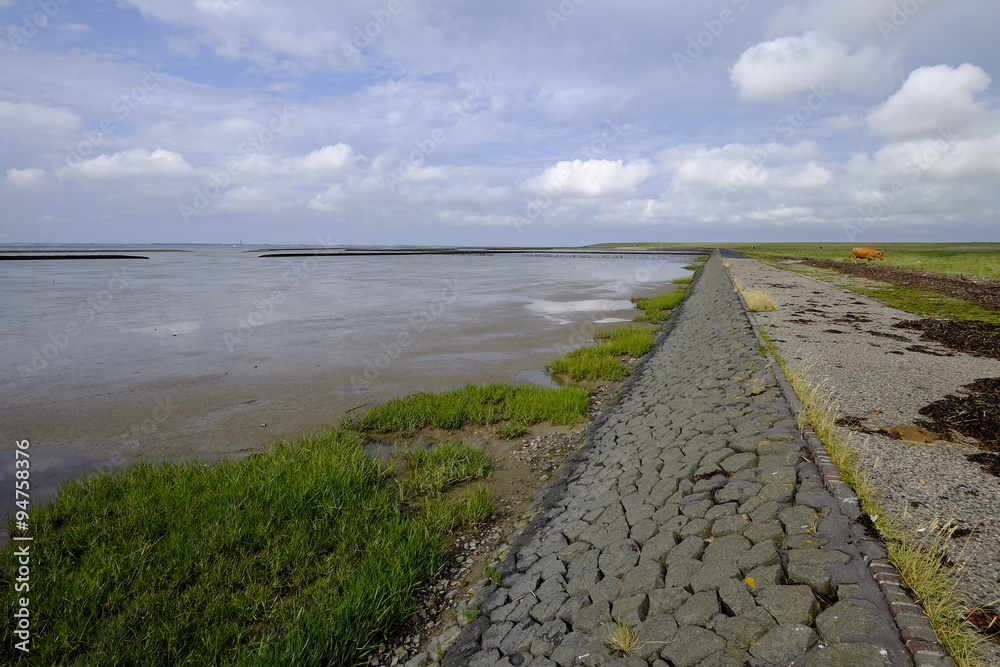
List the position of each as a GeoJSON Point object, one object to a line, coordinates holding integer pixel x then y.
{"type": "Point", "coordinates": [513, 123]}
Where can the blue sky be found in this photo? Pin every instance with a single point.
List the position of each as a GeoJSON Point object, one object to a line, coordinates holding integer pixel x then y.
{"type": "Point", "coordinates": [516, 123]}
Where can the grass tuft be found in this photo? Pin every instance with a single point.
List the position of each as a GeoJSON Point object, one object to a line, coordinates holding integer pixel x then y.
{"type": "Point", "coordinates": [658, 308]}
{"type": "Point", "coordinates": [757, 300]}
{"type": "Point", "coordinates": [445, 465]}
{"type": "Point", "coordinates": [482, 405]}
{"type": "Point", "coordinates": [622, 638]}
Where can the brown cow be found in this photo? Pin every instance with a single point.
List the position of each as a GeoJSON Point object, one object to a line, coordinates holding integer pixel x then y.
{"type": "Point", "coordinates": [871, 254]}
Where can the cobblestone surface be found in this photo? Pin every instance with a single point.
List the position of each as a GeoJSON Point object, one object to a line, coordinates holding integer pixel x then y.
{"type": "Point", "coordinates": [694, 516]}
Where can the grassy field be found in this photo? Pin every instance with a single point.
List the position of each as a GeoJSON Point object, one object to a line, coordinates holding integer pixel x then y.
{"type": "Point", "coordinates": [971, 259]}
{"type": "Point", "coordinates": [308, 554]}
{"type": "Point", "coordinates": [962, 259]}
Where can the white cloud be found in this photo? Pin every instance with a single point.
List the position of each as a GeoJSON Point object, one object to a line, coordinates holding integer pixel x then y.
{"type": "Point", "coordinates": [25, 177]}
{"type": "Point", "coordinates": [19, 117]}
{"type": "Point", "coordinates": [135, 162]}
{"type": "Point", "coordinates": [590, 178]}
{"type": "Point", "coordinates": [774, 70]}
{"type": "Point", "coordinates": [931, 99]}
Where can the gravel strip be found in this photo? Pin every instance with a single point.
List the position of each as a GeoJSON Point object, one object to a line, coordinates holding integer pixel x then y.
{"type": "Point", "coordinates": [693, 515]}
{"type": "Point", "coordinates": [880, 377]}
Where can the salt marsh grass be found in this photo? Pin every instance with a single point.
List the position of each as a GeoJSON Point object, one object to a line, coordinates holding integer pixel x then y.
{"type": "Point", "coordinates": [476, 404]}
{"type": "Point", "coordinates": [304, 555]}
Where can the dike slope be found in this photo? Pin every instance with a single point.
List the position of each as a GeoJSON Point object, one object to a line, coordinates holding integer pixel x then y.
{"type": "Point", "coordinates": [695, 516]}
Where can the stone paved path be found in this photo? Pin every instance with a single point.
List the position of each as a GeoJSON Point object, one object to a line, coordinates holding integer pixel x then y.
{"type": "Point", "coordinates": [694, 516]}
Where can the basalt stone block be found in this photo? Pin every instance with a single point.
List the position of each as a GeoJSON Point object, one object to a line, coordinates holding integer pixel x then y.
{"type": "Point", "coordinates": [714, 574]}
{"type": "Point", "coordinates": [764, 531]}
{"type": "Point", "coordinates": [698, 609]}
{"type": "Point", "coordinates": [643, 578]}
{"type": "Point", "coordinates": [728, 657]}
{"type": "Point", "coordinates": [680, 571]}
{"type": "Point", "coordinates": [608, 588]}
{"type": "Point", "coordinates": [721, 510]}
{"type": "Point", "coordinates": [790, 605]}
{"type": "Point", "coordinates": [844, 622]}
{"type": "Point", "coordinates": [799, 519]}
{"type": "Point", "coordinates": [631, 610]}
{"type": "Point", "coordinates": [850, 655]}
{"type": "Point", "coordinates": [658, 547]}
{"type": "Point", "coordinates": [617, 559]}
{"type": "Point", "coordinates": [667, 600]}
{"type": "Point", "coordinates": [730, 525]}
{"type": "Point", "coordinates": [643, 531]}
{"type": "Point", "coordinates": [762, 553]}
{"type": "Point", "coordinates": [745, 629]}
{"type": "Point", "coordinates": [735, 595]}
{"type": "Point", "coordinates": [741, 461]}
{"type": "Point", "coordinates": [688, 548]}
{"type": "Point", "coordinates": [653, 634]}
{"type": "Point", "coordinates": [696, 527]}
{"type": "Point", "coordinates": [691, 645]}
{"type": "Point", "coordinates": [784, 643]}
{"type": "Point", "coordinates": [520, 637]}
{"type": "Point", "coordinates": [763, 576]}
{"type": "Point", "coordinates": [548, 637]}
{"type": "Point", "coordinates": [574, 645]}
{"type": "Point", "coordinates": [590, 618]}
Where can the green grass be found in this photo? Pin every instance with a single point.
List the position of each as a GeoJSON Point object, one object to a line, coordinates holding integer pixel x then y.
{"type": "Point", "coordinates": [658, 308]}
{"type": "Point", "coordinates": [606, 359]}
{"type": "Point", "coordinates": [483, 405]}
{"type": "Point", "coordinates": [693, 267]}
{"type": "Point", "coordinates": [927, 304]}
{"type": "Point", "coordinates": [684, 281]}
{"type": "Point", "coordinates": [907, 299]}
{"type": "Point", "coordinates": [975, 259]}
{"type": "Point", "coordinates": [303, 555]}
{"type": "Point", "coordinates": [442, 467]}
